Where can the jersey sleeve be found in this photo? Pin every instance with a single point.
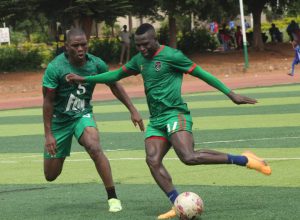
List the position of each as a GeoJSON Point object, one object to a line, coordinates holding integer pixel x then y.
{"type": "Point", "coordinates": [181, 63]}
{"type": "Point", "coordinates": [50, 79]}
{"type": "Point", "coordinates": [107, 77]}
{"type": "Point", "coordinates": [132, 67]}
{"type": "Point", "coordinates": [210, 79]}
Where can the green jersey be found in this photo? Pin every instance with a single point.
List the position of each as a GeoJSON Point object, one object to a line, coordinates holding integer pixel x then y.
{"type": "Point", "coordinates": [72, 100]}
{"type": "Point", "coordinates": [162, 77]}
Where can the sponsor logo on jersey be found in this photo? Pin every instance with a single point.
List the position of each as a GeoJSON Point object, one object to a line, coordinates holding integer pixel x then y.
{"type": "Point", "coordinates": [157, 65]}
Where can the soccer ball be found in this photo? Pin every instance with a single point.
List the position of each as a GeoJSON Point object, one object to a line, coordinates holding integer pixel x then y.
{"type": "Point", "coordinates": [188, 205]}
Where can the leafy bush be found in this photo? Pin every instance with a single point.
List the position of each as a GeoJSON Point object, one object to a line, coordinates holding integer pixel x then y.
{"type": "Point", "coordinates": [39, 37]}
{"type": "Point", "coordinates": [24, 57]}
{"type": "Point", "coordinates": [11, 58]}
{"type": "Point", "coordinates": [108, 49]}
{"type": "Point", "coordinates": [163, 35]}
{"type": "Point", "coordinates": [198, 40]}
{"type": "Point", "coordinates": [17, 37]}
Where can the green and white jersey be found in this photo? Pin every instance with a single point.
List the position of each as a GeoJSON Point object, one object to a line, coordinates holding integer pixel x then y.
{"type": "Point", "coordinates": [72, 100]}
{"type": "Point", "coordinates": [162, 77]}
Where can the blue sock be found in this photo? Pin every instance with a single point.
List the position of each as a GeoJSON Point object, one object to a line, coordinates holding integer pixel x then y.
{"type": "Point", "coordinates": [172, 195]}
{"type": "Point", "coordinates": [238, 160]}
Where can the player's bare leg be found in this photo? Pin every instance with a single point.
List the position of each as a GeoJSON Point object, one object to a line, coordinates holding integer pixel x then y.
{"type": "Point", "coordinates": [53, 168]}
{"type": "Point", "coordinates": [183, 144]}
{"type": "Point", "coordinates": [156, 149]}
{"type": "Point", "coordinates": [90, 140]}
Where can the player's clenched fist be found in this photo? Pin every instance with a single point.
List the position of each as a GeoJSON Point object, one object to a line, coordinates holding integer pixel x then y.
{"type": "Point", "coordinates": [74, 78]}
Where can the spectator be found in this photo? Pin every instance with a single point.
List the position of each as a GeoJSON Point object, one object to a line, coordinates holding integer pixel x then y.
{"type": "Point", "coordinates": [292, 28]}
{"type": "Point", "coordinates": [225, 37]}
{"type": "Point", "coordinates": [239, 38]}
{"type": "Point", "coordinates": [231, 25]}
{"type": "Point", "coordinates": [247, 25]}
{"type": "Point", "coordinates": [125, 44]}
{"type": "Point", "coordinates": [276, 35]}
{"type": "Point", "coordinates": [296, 47]}
{"type": "Point", "coordinates": [214, 27]}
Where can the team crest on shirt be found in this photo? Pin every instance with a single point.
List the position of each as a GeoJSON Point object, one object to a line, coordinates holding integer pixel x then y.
{"type": "Point", "coordinates": [157, 65]}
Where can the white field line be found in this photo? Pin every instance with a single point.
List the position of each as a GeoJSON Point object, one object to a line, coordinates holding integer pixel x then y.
{"type": "Point", "coordinates": [245, 140]}
{"type": "Point", "coordinates": [7, 159]}
{"type": "Point", "coordinates": [204, 142]}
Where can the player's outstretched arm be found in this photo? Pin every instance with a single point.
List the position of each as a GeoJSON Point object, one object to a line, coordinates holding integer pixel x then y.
{"type": "Point", "coordinates": [216, 83]}
{"type": "Point", "coordinates": [107, 77]}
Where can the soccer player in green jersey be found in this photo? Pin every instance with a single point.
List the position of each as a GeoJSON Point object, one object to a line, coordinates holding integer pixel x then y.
{"type": "Point", "coordinates": [170, 123]}
{"type": "Point", "coordinates": [67, 111]}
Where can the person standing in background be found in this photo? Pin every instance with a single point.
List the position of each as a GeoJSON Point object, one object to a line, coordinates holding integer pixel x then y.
{"type": "Point", "coordinates": [125, 43]}
{"type": "Point", "coordinates": [291, 28]}
{"type": "Point", "coordinates": [296, 59]}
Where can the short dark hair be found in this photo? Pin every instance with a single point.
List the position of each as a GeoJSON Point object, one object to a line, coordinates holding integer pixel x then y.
{"type": "Point", "coordinates": [143, 28]}
{"type": "Point", "coordinates": [75, 32]}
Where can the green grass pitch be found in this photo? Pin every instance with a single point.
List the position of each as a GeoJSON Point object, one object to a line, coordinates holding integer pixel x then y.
{"type": "Point", "coordinates": [270, 128]}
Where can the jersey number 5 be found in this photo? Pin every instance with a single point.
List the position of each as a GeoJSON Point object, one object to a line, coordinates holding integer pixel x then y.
{"type": "Point", "coordinates": [75, 103]}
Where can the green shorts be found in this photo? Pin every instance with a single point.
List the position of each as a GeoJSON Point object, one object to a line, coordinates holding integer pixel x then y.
{"type": "Point", "coordinates": [169, 125]}
{"type": "Point", "coordinates": [63, 133]}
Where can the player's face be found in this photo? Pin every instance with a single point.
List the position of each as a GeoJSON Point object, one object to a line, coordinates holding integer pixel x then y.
{"type": "Point", "coordinates": [77, 48]}
{"type": "Point", "coordinates": [146, 44]}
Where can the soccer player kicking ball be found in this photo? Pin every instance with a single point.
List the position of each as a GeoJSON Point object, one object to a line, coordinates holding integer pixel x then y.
{"type": "Point", "coordinates": [170, 123]}
{"type": "Point", "coordinates": [67, 111]}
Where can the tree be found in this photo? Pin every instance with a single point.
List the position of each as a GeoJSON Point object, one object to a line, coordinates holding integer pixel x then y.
{"type": "Point", "coordinates": [83, 12]}
{"type": "Point", "coordinates": [293, 8]}
{"type": "Point", "coordinates": [203, 9]}
{"type": "Point", "coordinates": [256, 7]}
{"type": "Point", "coordinates": [173, 8]}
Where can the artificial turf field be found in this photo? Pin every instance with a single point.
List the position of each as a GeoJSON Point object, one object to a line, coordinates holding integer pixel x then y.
{"type": "Point", "coordinates": [270, 128]}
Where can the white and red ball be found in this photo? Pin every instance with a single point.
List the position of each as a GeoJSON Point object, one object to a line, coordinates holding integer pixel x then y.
{"type": "Point", "coordinates": [188, 205]}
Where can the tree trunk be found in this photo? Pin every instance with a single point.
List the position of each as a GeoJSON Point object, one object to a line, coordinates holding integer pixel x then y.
{"type": "Point", "coordinates": [172, 31]}
{"type": "Point", "coordinates": [86, 25]}
{"type": "Point", "coordinates": [256, 8]}
{"type": "Point", "coordinates": [27, 34]}
{"type": "Point", "coordinates": [96, 29]}
{"type": "Point", "coordinates": [130, 23]}
{"type": "Point", "coordinates": [52, 30]}
{"type": "Point", "coordinates": [141, 19]}
{"type": "Point", "coordinates": [257, 40]}
{"type": "Point", "coordinates": [113, 30]}
{"type": "Point", "coordinates": [76, 23]}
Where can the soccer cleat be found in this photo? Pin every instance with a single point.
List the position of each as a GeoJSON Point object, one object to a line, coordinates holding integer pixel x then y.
{"type": "Point", "coordinates": [290, 74]}
{"type": "Point", "coordinates": [168, 215]}
{"type": "Point", "coordinates": [114, 205]}
{"type": "Point", "coordinates": [256, 163]}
